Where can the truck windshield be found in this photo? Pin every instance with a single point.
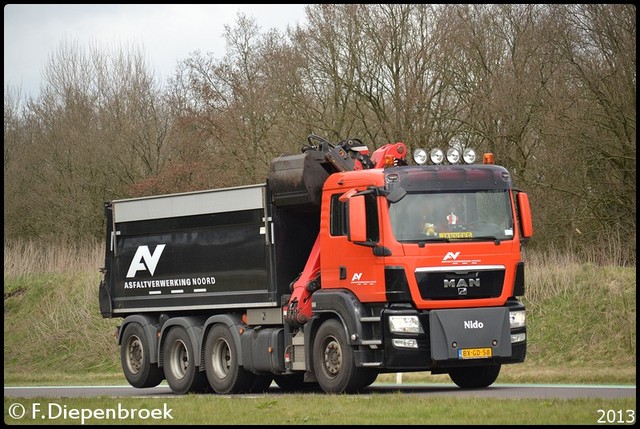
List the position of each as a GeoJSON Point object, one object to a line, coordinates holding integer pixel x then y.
{"type": "Point", "coordinates": [437, 216]}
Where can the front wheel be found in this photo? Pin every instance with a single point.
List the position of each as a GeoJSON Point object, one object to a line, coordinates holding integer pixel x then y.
{"type": "Point", "coordinates": [474, 377]}
{"type": "Point", "coordinates": [334, 360]}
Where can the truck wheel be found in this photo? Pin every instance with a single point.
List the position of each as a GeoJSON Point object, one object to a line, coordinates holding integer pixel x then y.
{"type": "Point", "coordinates": [334, 361]}
{"type": "Point", "coordinates": [135, 358]}
{"type": "Point", "coordinates": [221, 363]}
{"type": "Point", "coordinates": [474, 377]}
{"type": "Point", "coordinates": [181, 363]}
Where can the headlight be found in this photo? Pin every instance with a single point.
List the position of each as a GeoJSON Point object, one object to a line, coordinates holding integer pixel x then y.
{"type": "Point", "coordinates": [420, 156]}
{"type": "Point", "coordinates": [436, 155]}
{"type": "Point", "coordinates": [469, 156]}
{"type": "Point", "coordinates": [405, 343]}
{"type": "Point", "coordinates": [517, 319]}
{"type": "Point", "coordinates": [453, 156]}
{"type": "Point", "coordinates": [405, 324]}
{"type": "Point", "coordinates": [518, 338]}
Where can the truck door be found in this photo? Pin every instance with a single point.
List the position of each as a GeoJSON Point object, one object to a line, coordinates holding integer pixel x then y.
{"type": "Point", "coordinates": [348, 254]}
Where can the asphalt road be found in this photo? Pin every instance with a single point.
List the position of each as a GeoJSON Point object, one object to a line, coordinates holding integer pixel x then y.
{"type": "Point", "coordinates": [539, 391]}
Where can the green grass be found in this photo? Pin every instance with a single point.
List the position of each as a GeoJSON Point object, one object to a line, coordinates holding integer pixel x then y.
{"type": "Point", "coordinates": [376, 409]}
{"type": "Point", "coordinates": [52, 323]}
{"type": "Point", "coordinates": [581, 322]}
{"type": "Point", "coordinates": [581, 328]}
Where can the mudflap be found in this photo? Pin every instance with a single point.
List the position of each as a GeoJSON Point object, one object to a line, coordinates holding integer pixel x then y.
{"type": "Point", "coordinates": [475, 333]}
{"type": "Point", "coordinates": [104, 298]}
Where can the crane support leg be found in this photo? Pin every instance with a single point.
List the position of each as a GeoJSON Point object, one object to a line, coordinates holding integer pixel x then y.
{"type": "Point", "coordinates": [299, 309]}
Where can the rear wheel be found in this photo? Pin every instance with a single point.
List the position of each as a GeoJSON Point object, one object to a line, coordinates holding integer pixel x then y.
{"type": "Point", "coordinates": [474, 377]}
{"type": "Point", "coordinates": [181, 363]}
{"type": "Point", "coordinates": [135, 357]}
{"type": "Point", "coordinates": [224, 373]}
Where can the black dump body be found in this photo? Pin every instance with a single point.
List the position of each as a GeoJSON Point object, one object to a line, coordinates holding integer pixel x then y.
{"type": "Point", "coordinates": [212, 251]}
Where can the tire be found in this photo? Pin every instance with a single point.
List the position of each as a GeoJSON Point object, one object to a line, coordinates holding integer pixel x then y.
{"type": "Point", "coordinates": [224, 373]}
{"type": "Point", "coordinates": [135, 358]}
{"type": "Point", "coordinates": [334, 361]}
{"type": "Point", "coordinates": [474, 377]}
{"type": "Point", "coordinates": [181, 363]}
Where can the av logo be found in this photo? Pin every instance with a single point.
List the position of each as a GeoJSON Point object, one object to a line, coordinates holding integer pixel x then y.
{"type": "Point", "coordinates": [356, 279]}
{"type": "Point", "coordinates": [144, 254]}
{"type": "Point", "coordinates": [451, 255]}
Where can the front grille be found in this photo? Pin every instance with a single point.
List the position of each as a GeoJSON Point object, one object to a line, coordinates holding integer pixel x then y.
{"type": "Point", "coordinates": [474, 283]}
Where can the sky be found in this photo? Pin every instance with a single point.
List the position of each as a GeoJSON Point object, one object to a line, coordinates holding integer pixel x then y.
{"type": "Point", "coordinates": [165, 33]}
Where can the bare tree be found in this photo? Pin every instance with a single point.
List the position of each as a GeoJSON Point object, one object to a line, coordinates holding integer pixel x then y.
{"type": "Point", "coordinates": [238, 107]}
{"type": "Point", "coordinates": [550, 89]}
{"type": "Point", "coordinates": [598, 44]}
{"type": "Point", "coordinates": [96, 128]}
{"type": "Point", "coordinates": [12, 125]}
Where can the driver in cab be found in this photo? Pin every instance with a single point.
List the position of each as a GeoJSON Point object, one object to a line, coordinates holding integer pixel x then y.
{"type": "Point", "coordinates": [453, 219]}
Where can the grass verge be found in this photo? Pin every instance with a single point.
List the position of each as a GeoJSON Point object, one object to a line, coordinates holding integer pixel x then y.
{"type": "Point", "coordinates": [373, 409]}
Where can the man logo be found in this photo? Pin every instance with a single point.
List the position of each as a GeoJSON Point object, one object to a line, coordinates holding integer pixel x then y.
{"type": "Point", "coordinates": [451, 255]}
{"type": "Point", "coordinates": [144, 254]}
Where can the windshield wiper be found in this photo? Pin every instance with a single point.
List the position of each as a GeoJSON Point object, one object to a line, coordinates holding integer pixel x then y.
{"type": "Point", "coordinates": [495, 239]}
{"type": "Point", "coordinates": [421, 243]}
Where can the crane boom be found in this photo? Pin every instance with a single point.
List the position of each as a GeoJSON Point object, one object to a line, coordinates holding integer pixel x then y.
{"type": "Point", "coordinates": [348, 155]}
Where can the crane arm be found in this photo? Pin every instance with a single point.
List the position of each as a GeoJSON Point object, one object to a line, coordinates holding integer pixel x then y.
{"type": "Point", "coordinates": [349, 155]}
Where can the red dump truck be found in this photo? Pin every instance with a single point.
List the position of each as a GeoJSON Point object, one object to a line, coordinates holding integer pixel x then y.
{"type": "Point", "coordinates": [343, 265]}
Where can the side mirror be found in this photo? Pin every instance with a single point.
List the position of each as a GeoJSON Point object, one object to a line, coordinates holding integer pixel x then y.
{"type": "Point", "coordinates": [357, 219]}
{"type": "Point", "coordinates": [396, 195]}
{"type": "Point", "coordinates": [524, 209]}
